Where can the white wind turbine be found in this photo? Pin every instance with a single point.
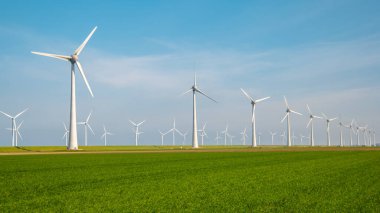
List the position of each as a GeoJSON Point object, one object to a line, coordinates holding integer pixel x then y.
{"type": "Point", "coordinates": [203, 132]}
{"type": "Point", "coordinates": [328, 120]}
{"type": "Point", "coordinates": [283, 137]}
{"type": "Point", "coordinates": [17, 132]}
{"type": "Point", "coordinates": [311, 124]}
{"type": "Point", "coordinates": [272, 134]}
{"type": "Point", "coordinates": [341, 125]}
{"type": "Point", "coordinates": [357, 135]}
{"type": "Point", "coordinates": [231, 138]}
{"type": "Point", "coordinates": [105, 135]}
{"type": "Point", "coordinates": [287, 115]}
{"type": "Point", "coordinates": [86, 125]}
{"type": "Point", "coordinates": [253, 118]}
{"type": "Point", "coordinates": [66, 133]}
{"type": "Point", "coordinates": [136, 130]}
{"type": "Point", "coordinates": [195, 89]}
{"type": "Point", "coordinates": [73, 59]}
{"type": "Point", "coordinates": [162, 136]}
{"type": "Point", "coordinates": [217, 138]}
{"type": "Point", "coordinates": [14, 126]}
{"type": "Point", "coordinates": [302, 137]}
{"type": "Point", "coordinates": [225, 132]}
{"type": "Point", "coordinates": [294, 139]}
{"type": "Point", "coordinates": [259, 138]}
{"type": "Point", "coordinates": [173, 131]}
{"type": "Point", "coordinates": [351, 130]}
{"type": "Point", "coordinates": [184, 138]}
{"type": "Point", "coordinates": [244, 135]}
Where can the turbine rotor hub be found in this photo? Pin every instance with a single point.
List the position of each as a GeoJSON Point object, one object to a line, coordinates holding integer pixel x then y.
{"type": "Point", "coordinates": [74, 58]}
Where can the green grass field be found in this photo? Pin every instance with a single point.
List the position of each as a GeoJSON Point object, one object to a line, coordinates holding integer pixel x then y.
{"type": "Point", "coordinates": [333, 181]}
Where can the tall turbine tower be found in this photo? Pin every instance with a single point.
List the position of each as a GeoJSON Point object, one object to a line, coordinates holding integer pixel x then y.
{"type": "Point", "coordinates": [287, 115]}
{"type": "Point", "coordinates": [253, 119]}
{"type": "Point", "coordinates": [86, 125]}
{"type": "Point", "coordinates": [195, 89]}
{"type": "Point", "coordinates": [136, 130]}
{"type": "Point", "coordinates": [272, 134]}
{"type": "Point", "coordinates": [341, 125]}
{"type": "Point", "coordinates": [328, 120]}
{"type": "Point", "coordinates": [73, 59]}
{"type": "Point", "coordinates": [14, 126]}
{"type": "Point", "coordinates": [311, 116]}
{"type": "Point", "coordinates": [173, 131]}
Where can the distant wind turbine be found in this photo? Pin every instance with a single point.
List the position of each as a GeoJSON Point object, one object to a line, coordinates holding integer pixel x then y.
{"type": "Point", "coordinates": [351, 128]}
{"type": "Point", "coordinates": [86, 125]}
{"type": "Point", "coordinates": [203, 132]}
{"type": "Point", "coordinates": [162, 136]}
{"type": "Point", "coordinates": [173, 131]}
{"type": "Point", "coordinates": [136, 130]}
{"type": "Point", "coordinates": [73, 59]}
{"type": "Point", "coordinates": [287, 115]}
{"type": "Point", "coordinates": [13, 119]}
{"type": "Point", "coordinates": [66, 134]}
{"type": "Point", "coordinates": [195, 90]}
{"type": "Point", "coordinates": [18, 134]}
{"type": "Point", "coordinates": [311, 124]}
{"type": "Point", "coordinates": [273, 134]}
{"type": "Point", "coordinates": [225, 132]}
{"type": "Point", "coordinates": [328, 120]}
{"type": "Point", "coordinates": [217, 138]}
{"type": "Point", "coordinates": [105, 135]}
{"type": "Point", "coordinates": [244, 135]}
{"type": "Point", "coordinates": [253, 118]}
{"type": "Point", "coordinates": [341, 125]}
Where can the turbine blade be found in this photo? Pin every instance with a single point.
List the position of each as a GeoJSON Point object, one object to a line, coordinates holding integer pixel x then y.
{"type": "Point", "coordinates": [286, 102]}
{"type": "Point", "coordinates": [323, 114]}
{"type": "Point", "coordinates": [21, 113]}
{"type": "Point", "coordinates": [308, 109]}
{"type": "Point", "coordinates": [295, 112]}
{"type": "Point", "coordinates": [88, 117]}
{"type": "Point", "coordinates": [246, 95]}
{"type": "Point", "coordinates": [287, 114]}
{"type": "Point", "coordinates": [317, 117]}
{"type": "Point", "coordinates": [64, 125]}
{"type": "Point", "coordinates": [205, 95]}
{"type": "Point", "coordinates": [140, 123]}
{"type": "Point", "coordinates": [20, 125]}
{"type": "Point", "coordinates": [80, 48]}
{"type": "Point", "coordinates": [309, 123]}
{"type": "Point", "coordinates": [195, 79]}
{"type": "Point", "coordinates": [81, 123]}
{"type": "Point", "coordinates": [91, 129]}
{"type": "Point", "coordinates": [61, 57]}
{"type": "Point", "coordinates": [133, 123]}
{"type": "Point", "coordinates": [261, 99]}
{"type": "Point", "coordinates": [186, 92]}
{"type": "Point", "coordinates": [6, 114]}
{"type": "Point", "coordinates": [19, 134]}
{"type": "Point", "coordinates": [333, 119]}
{"type": "Point", "coordinates": [84, 77]}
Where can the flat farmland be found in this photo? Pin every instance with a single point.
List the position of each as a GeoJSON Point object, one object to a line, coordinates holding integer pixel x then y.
{"type": "Point", "coordinates": [207, 181]}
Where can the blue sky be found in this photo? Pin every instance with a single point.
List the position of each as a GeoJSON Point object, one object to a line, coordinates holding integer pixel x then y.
{"type": "Point", "coordinates": [144, 54]}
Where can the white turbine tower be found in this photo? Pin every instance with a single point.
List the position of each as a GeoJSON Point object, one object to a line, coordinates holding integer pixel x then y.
{"type": "Point", "coordinates": [225, 132]}
{"type": "Point", "coordinates": [66, 133]}
{"type": "Point", "coordinates": [217, 138]}
{"type": "Point", "coordinates": [105, 135]}
{"type": "Point", "coordinates": [283, 137]}
{"type": "Point", "coordinates": [14, 126]}
{"type": "Point", "coordinates": [341, 125]}
{"type": "Point", "coordinates": [184, 138]}
{"type": "Point", "coordinates": [173, 131]}
{"type": "Point", "coordinates": [17, 132]}
{"type": "Point", "coordinates": [259, 134]}
{"type": "Point", "coordinates": [351, 130]}
{"type": "Point", "coordinates": [328, 120]}
{"type": "Point", "coordinates": [136, 130]}
{"type": "Point", "coordinates": [287, 115]}
{"type": "Point", "coordinates": [253, 118]}
{"type": "Point", "coordinates": [203, 132]}
{"type": "Point", "coordinates": [195, 89]}
{"type": "Point", "coordinates": [73, 59]}
{"type": "Point", "coordinates": [86, 125]}
{"type": "Point", "coordinates": [311, 124]}
{"type": "Point", "coordinates": [244, 135]}
{"type": "Point", "coordinates": [272, 134]}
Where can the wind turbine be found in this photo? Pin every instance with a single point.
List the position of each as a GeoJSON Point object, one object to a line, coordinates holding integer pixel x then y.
{"type": "Point", "coordinates": [73, 59]}
{"type": "Point", "coordinates": [184, 138]}
{"type": "Point", "coordinates": [231, 137]}
{"type": "Point", "coordinates": [174, 130]}
{"type": "Point", "coordinates": [311, 116]}
{"type": "Point", "coordinates": [287, 115]}
{"type": "Point", "coordinates": [328, 120]}
{"type": "Point", "coordinates": [272, 134]}
{"type": "Point", "coordinates": [136, 130]}
{"type": "Point", "coordinates": [225, 132]}
{"type": "Point", "coordinates": [13, 119]}
{"type": "Point", "coordinates": [351, 129]}
{"type": "Point", "coordinates": [217, 138]}
{"type": "Point", "coordinates": [203, 132]}
{"type": "Point", "coordinates": [105, 135]}
{"type": "Point", "coordinates": [18, 134]}
{"type": "Point", "coordinates": [357, 134]}
{"type": "Point", "coordinates": [86, 125]}
{"type": "Point", "coordinates": [301, 137]}
{"type": "Point", "coordinates": [195, 89]}
{"type": "Point", "coordinates": [253, 119]}
{"type": "Point", "coordinates": [294, 139]}
{"type": "Point", "coordinates": [162, 136]}
{"type": "Point", "coordinates": [66, 133]}
{"type": "Point", "coordinates": [283, 137]}
{"type": "Point", "coordinates": [244, 135]}
{"type": "Point", "coordinates": [259, 138]}
{"type": "Point", "coordinates": [341, 125]}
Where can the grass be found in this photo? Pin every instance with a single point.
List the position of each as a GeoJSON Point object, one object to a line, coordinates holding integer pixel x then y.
{"type": "Point", "coordinates": [324, 181]}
